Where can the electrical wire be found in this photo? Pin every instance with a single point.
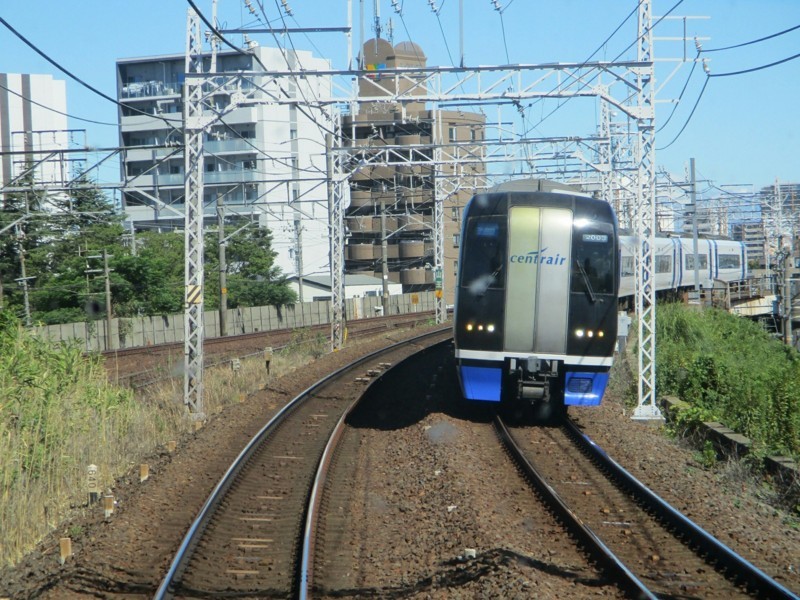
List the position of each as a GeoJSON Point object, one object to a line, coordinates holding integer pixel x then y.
{"type": "Point", "coordinates": [777, 62]}
{"type": "Point", "coordinates": [78, 79]}
{"type": "Point", "coordinates": [503, 30]}
{"type": "Point", "coordinates": [223, 39]}
{"type": "Point", "coordinates": [680, 96]}
{"type": "Point", "coordinates": [32, 101]}
{"type": "Point", "coordinates": [633, 43]}
{"type": "Point", "coordinates": [769, 37]}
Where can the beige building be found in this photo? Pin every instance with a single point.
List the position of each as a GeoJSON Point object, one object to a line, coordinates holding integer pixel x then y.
{"type": "Point", "coordinates": [396, 177]}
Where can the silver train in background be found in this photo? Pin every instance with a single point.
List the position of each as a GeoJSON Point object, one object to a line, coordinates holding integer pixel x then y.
{"type": "Point", "coordinates": [542, 273]}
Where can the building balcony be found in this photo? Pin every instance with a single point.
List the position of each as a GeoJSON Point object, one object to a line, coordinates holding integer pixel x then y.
{"type": "Point", "coordinates": [224, 146]}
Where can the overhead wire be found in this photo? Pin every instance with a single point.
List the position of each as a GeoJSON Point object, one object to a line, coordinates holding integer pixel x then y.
{"type": "Point", "coordinates": [628, 47]}
{"type": "Point", "coordinates": [729, 74]}
{"type": "Point", "coordinates": [39, 104]}
{"type": "Point", "coordinates": [680, 96]}
{"type": "Point", "coordinates": [41, 53]}
{"type": "Point", "coordinates": [769, 37]}
{"type": "Point", "coordinates": [767, 66]}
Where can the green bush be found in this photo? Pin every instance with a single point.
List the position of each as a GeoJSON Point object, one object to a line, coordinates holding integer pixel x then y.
{"type": "Point", "coordinates": [730, 370]}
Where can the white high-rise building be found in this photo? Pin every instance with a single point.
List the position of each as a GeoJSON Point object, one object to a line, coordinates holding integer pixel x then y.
{"type": "Point", "coordinates": [264, 162]}
{"type": "Point", "coordinates": [33, 121]}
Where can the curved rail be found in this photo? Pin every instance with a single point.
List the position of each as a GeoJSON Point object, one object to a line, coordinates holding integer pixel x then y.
{"type": "Point", "coordinates": [743, 571]}
{"type": "Point", "coordinates": [305, 580]}
{"type": "Point", "coordinates": [590, 541]}
{"type": "Point", "coordinates": [199, 524]}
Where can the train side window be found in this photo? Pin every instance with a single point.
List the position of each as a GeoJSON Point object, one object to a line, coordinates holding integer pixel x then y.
{"type": "Point", "coordinates": [627, 266]}
{"type": "Point", "coordinates": [703, 262]}
{"type": "Point", "coordinates": [730, 261]}
{"type": "Point", "coordinates": [663, 264]}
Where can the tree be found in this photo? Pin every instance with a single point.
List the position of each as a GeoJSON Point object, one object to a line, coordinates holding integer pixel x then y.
{"type": "Point", "coordinates": [253, 277]}
{"type": "Point", "coordinates": [152, 281]}
{"type": "Point", "coordinates": [81, 226]}
{"type": "Point", "coordinates": [20, 217]}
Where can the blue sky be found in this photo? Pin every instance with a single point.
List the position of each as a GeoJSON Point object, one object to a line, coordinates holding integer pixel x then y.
{"type": "Point", "coordinates": [745, 130]}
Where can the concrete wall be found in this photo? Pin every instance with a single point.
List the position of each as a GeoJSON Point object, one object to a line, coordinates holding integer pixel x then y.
{"type": "Point", "coordinates": [147, 331]}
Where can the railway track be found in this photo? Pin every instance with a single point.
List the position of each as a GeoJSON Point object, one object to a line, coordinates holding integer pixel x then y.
{"type": "Point", "coordinates": [255, 534]}
{"type": "Point", "coordinates": [142, 366]}
{"type": "Point", "coordinates": [651, 549]}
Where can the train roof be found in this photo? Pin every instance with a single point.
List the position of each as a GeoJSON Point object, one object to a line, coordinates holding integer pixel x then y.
{"type": "Point", "coordinates": [533, 184]}
{"type": "Point", "coordinates": [684, 235]}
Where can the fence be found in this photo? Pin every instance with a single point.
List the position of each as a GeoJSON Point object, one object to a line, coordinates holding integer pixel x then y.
{"type": "Point", "coordinates": [145, 331]}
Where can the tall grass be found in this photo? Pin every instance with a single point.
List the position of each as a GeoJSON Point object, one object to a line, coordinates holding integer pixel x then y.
{"type": "Point", "coordinates": [59, 414]}
{"type": "Point", "coordinates": [730, 370]}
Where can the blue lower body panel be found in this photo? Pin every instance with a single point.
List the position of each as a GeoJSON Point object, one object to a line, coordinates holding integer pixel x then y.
{"type": "Point", "coordinates": [481, 383]}
{"type": "Point", "coordinates": [584, 388]}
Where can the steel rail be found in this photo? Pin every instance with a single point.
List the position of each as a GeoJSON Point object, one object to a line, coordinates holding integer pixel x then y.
{"type": "Point", "coordinates": [584, 534]}
{"type": "Point", "coordinates": [693, 535]}
{"type": "Point", "coordinates": [200, 522]}
{"type": "Point", "coordinates": [305, 580]}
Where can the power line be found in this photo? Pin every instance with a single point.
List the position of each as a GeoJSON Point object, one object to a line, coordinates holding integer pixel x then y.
{"type": "Point", "coordinates": [680, 96]}
{"type": "Point", "coordinates": [769, 37]}
{"type": "Point", "coordinates": [223, 39]}
{"type": "Point", "coordinates": [777, 62]}
{"type": "Point", "coordinates": [78, 79]}
{"type": "Point", "coordinates": [32, 101]}
{"type": "Point", "coordinates": [688, 119]}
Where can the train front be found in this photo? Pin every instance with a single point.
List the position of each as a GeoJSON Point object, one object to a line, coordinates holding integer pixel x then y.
{"type": "Point", "coordinates": [536, 305]}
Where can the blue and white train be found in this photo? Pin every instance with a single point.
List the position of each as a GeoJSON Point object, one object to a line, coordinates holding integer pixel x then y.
{"type": "Point", "coordinates": [720, 260]}
{"type": "Point", "coordinates": [542, 272]}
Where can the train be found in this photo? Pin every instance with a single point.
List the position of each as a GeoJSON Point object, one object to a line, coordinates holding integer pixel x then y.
{"type": "Point", "coordinates": [543, 272]}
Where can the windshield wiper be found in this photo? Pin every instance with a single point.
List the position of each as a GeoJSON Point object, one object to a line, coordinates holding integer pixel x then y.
{"type": "Point", "coordinates": [589, 289]}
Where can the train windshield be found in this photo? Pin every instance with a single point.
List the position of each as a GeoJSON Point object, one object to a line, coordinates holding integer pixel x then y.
{"type": "Point", "coordinates": [482, 268]}
{"type": "Point", "coordinates": [593, 265]}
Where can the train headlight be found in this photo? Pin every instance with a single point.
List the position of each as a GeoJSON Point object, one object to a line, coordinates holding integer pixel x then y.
{"type": "Point", "coordinates": [590, 333]}
{"type": "Point", "coordinates": [480, 327]}
{"type": "Point", "coordinates": [600, 334]}
{"type": "Point", "coordinates": [469, 326]}
{"type": "Point", "coordinates": [579, 333]}
{"type": "Point", "coordinates": [490, 328]}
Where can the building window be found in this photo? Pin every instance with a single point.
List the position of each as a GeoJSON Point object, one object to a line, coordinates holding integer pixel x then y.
{"type": "Point", "coordinates": [456, 240]}
{"type": "Point", "coordinates": [452, 133]}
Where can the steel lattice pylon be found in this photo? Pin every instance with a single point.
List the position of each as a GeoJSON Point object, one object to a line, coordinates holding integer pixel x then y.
{"type": "Point", "coordinates": [193, 234]}
{"type": "Point", "coordinates": [645, 219]}
{"type": "Point", "coordinates": [438, 221]}
{"type": "Point", "coordinates": [336, 182]}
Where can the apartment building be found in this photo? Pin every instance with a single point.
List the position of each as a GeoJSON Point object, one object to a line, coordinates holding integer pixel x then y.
{"type": "Point", "coordinates": [263, 162]}
{"type": "Point", "coordinates": [406, 155]}
{"type": "Point", "coordinates": [30, 132]}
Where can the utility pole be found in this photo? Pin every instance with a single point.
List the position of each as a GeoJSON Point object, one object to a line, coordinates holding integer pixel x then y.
{"type": "Point", "coordinates": [696, 259]}
{"type": "Point", "coordinates": [23, 281]}
{"type": "Point", "coordinates": [384, 257]}
{"type": "Point", "coordinates": [786, 304]}
{"type": "Point", "coordinates": [223, 268]}
{"type": "Point", "coordinates": [107, 275]}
